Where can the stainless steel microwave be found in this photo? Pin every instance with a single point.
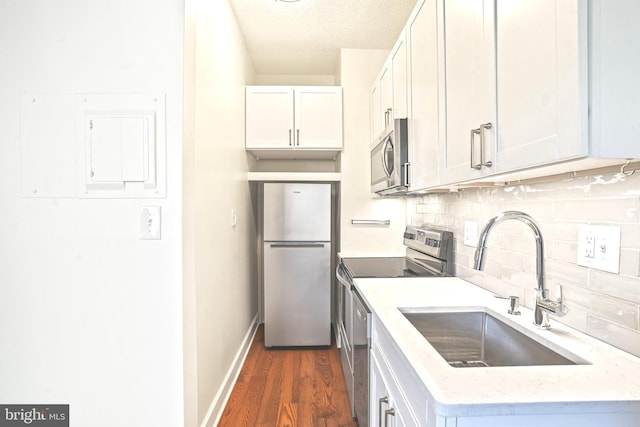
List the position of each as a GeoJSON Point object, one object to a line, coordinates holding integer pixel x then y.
{"type": "Point", "coordinates": [389, 160]}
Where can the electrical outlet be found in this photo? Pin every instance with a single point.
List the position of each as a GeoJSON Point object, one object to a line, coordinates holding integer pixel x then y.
{"type": "Point", "coordinates": [470, 233]}
{"type": "Point", "coordinates": [590, 245]}
{"type": "Point", "coordinates": [599, 247]}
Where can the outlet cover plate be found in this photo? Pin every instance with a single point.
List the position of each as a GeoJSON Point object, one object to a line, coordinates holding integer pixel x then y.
{"type": "Point", "coordinates": [599, 247]}
{"type": "Point", "coordinates": [470, 233]}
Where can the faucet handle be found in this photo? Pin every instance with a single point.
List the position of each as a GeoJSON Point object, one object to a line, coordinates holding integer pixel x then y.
{"type": "Point", "coordinates": [562, 309]}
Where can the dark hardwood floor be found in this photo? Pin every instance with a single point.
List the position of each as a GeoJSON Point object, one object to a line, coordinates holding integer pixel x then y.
{"type": "Point", "coordinates": [289, 388]}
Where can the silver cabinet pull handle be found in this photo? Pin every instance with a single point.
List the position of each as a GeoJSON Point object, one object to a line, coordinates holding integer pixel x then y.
{"type": "Point", "coordinates": [370, 221]}
{"type": "Point", "coordinates": [482, 161]}
{"type": "Point", "coordinates": [290, 138]}
{"type": "Point", "coordinates": [474, 165]}
{"type": "Point", "coordinates": [407, 176]}
{"type": "Point", "coordinates": [296, 245]}
{"type": "Point", "coordinates": [388, 412]}
{"type": "Point", "coordinates": [380, 402]}
{"type": "Point", "coordinates": [297, 136]}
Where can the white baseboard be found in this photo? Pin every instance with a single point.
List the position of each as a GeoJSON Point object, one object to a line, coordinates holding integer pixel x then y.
{"type": "Point", "coordinates": [224, 392]}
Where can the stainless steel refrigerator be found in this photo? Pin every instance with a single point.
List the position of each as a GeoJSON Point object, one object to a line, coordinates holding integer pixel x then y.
{"type": "Point", "coordinates": [297, 264]}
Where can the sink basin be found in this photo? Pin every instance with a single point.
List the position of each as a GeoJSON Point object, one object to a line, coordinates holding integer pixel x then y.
{"type": "Point", "coordinates": [478, 339]}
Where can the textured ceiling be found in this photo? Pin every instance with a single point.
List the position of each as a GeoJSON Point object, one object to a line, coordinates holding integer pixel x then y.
{"type": "Point", "coordinates": [304, 37]}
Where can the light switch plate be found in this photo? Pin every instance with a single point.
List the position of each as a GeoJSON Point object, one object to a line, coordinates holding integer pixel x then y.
{"type": "Point", "coordinates": [470, 233]}
{"type": "Point", "coordinates": [599, 247]}
{"type": "Point", "coordinates": [150, 223]}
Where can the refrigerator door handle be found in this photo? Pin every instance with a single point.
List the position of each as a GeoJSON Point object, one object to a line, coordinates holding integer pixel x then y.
{"type": "Point", "coordinates": [296, 245]}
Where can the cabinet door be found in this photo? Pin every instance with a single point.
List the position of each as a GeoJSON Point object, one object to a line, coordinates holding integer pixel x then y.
{"type": "Point", "coordinates": [470, 89]}
{"type": "Point", "coordinates": [380, 400]}
{"type": "Point", "coordinates": [386, 95]}
{"type": "Point", "coordinates": [377, 119]}
{"type": "Point", "coordinates": [399, 78]}
{"type": "Point", "coordinates": [423, 121]}
{"type": "Point", "coordinates": [318, 117]}
{"type": "Point", "coordinates": [269, 117]}
{"type": "Point", "coordinates": [538, 82]}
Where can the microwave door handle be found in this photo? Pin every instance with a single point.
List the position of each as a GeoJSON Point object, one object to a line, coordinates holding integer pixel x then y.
{"type": "Point", "coordinates": [387, 171]}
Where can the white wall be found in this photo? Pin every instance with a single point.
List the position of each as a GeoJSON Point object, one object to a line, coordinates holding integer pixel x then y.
{"type": "Point", "coordinates": [296, 79]}
{"type": "Point", "coordinates": [220, 260]}
{"type": "Point", "coordinates": [604, 305]}
{"type": "Point", "coordinates": [89, 314]}
{"type": "Point", "coordinates": [358, 69]}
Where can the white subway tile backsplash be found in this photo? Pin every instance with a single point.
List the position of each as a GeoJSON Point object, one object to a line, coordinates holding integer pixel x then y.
{"type": "Point", "coordinates": [562, 250]}
{"type": "Point", "coordinates": [624, 338]}
{"type": "Point", "coordinates": [615, 310]}
{"type": "Point", "coordinates": [612, 284]}
{"type": "Point", "coordinates": [630, 262]}
{"type": "Point", "coordinates": [608, 211]}
{"type": "Point", "coordinates": [602, 304]}
{"type": "Point", "coordinates": [563, 272]}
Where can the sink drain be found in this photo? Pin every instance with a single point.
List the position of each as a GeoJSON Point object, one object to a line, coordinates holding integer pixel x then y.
{"type": "Point", "coordinates": [468, 364]}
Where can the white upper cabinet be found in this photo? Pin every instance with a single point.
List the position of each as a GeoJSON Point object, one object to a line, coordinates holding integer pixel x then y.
{"type": "Point", "coordinates": [389, 91]}
{"type": "Point", "coordinates": [269, 117]}
{"type": "Point", "coordinates": [469, 37]}
{"type": "Point", "coordinates": [540, 83]}
{"type": "Point", "coordinates": [318, 117]}
{"type": "Point", "coordinates": [423, 115]}
{"type": "Point", "coordinates": [294, 122]}
{"type": "Point", "coordinates": [381, 102]}
{"type": "Point", "coordinates": [399, 78]}
{"type": "Point", "coordinates": [557, 80]}
{"type": "Point", "coordinates": [502, 90]}
{"type": "Point", "coordinates": [377, 121]}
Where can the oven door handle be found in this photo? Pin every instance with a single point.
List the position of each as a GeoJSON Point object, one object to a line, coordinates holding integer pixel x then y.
{"type": "Point", "coordinates": [342, 278]}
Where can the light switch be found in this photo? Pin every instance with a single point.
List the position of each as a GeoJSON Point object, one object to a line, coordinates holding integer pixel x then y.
{"type": "Point", "coordinates": [234, 218]}
{"type": "Point", "coordinates": [150, 223]}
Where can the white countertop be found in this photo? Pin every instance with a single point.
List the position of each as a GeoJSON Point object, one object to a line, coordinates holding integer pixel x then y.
{"type": "Point", "coordinates": [610, 383]}
{"type": "Point", "coordinates": [374, 254]}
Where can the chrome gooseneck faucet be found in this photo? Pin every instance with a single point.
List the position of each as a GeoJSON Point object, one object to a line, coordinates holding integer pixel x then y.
{"type": "Point", "coordinates": [544, 305]}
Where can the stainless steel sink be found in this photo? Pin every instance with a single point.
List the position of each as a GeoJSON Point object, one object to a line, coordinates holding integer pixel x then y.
{"type": "Point", "coordinates": [477, 339]}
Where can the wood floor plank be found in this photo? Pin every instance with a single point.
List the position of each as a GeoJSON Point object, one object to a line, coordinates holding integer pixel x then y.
{"type": "Point", "coordinates": [289, 388]}
{"type": "Point", "coordinates": [287, 415]}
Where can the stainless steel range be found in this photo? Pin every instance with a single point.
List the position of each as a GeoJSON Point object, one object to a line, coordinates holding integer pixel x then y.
{"type": "Point", "coordinates": [429, 254]}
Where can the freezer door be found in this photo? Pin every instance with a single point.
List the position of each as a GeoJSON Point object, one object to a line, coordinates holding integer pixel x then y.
{"type": "Point", "coordinates": [297, 289]}
{"type": "Point", "coordinates": [297, 212]}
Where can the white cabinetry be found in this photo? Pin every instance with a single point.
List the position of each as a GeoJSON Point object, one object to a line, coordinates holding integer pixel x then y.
{"type": "Point", "coordinates": [382, 404]}
{"type": "Point", "coordinates": [513, 85]}
{"type": "Point", "coordinates": [534, 87]}
{"type": "Point", "coordinates": [389, 91]}
{"type": "Point", "coordinates": [396, 397]}
{"type": "Point", "coordinates": [540, 81]}
{"type": "Point", "coordinates": [469, 35]}
{"type": "Point", "coordinates": [294, 122]}
{"type": "Point", "coordinates": [423, 124]}
{"type": "Point", "coordinates": [399, 78]}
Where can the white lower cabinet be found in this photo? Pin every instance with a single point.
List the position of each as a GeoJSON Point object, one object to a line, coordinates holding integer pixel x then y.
{"type": "Point", "coordinates": [391, 384]}
{"type": "Point", "coordinates": [385, 411]}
